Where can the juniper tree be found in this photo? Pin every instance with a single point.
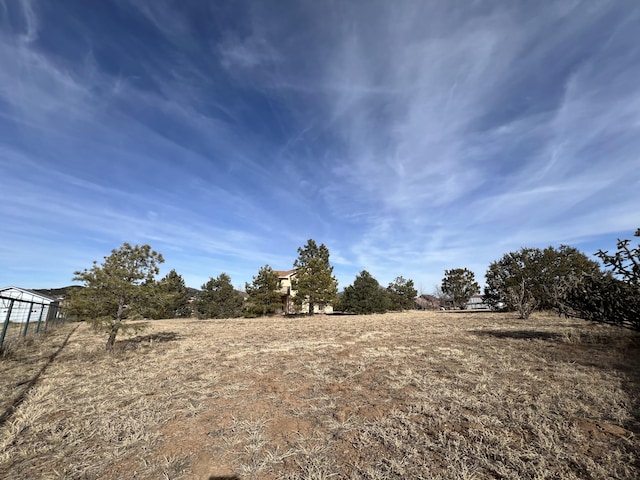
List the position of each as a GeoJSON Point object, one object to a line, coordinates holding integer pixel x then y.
{"type": "Point", "coordinates": [612, 296]}
{"type": "Point", "coordinates": [531, 278]}
{"type": "Point", "coordinates": [625, 263]}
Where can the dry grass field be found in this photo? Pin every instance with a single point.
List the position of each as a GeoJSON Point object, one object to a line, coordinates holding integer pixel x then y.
{"type": "Point", "coordinates": [413, 395]}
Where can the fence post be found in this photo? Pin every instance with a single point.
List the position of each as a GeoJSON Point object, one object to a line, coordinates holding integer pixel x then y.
{"type": "Point", "coordinates": [52, 314]}
{"type": "Point", "coordinates": [26, 325]}
{"type": "Point", "coordinates": [59, 315]}
{"type": "Point", "coordinates": [46, 319]}
{"type": "Point", "coordinates": [40, 319]}
{"type": "Point", "coordinates": [6, 323]}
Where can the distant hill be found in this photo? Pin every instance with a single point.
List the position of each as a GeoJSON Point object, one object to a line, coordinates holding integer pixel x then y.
{"type": "Point", "coordinates": [193, 292]}
{"type": "Point", "coordinates": [62, 292]}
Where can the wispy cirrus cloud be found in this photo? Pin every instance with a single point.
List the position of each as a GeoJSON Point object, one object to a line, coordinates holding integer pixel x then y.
{"type": "Point", "coordinates": [409, 137]}
{"type": "Point", "coordinates": [437, 129]}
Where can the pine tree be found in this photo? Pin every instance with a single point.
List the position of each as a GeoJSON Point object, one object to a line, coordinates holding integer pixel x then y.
{"type": "Point", "coordinates": [460, 285]}
{"type": "Point", "coordinates": [218, 299]}
{"type": "Point", "coordinates": [119, 288]}
{"type": "Point", "coordinates": [402, 294]}
{"type": "Point", "coordinates": [314, 282]}
{"type": "Point", "coordinates": [365, 296]}
{"type": "Point", "coordinates": [173, 297]}
{"type": "Point", "coordinates": [264, 292]}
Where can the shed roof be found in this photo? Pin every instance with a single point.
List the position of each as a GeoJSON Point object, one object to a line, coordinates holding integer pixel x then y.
{"type": "Point", "coordinates": [17, 293]}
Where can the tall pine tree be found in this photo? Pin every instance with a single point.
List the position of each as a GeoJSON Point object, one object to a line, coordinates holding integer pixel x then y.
{"type": "Point", "coordinates": [314, 282]}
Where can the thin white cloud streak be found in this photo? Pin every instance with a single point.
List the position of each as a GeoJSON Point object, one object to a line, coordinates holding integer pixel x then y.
{"type": "Point", "coordinates": [29, 19]}
{"type": "Point", "coordinates": [251, 54]}
{"type": "Point", "coordinates": [34, 89]}
{"type": "Point", "coordinates": [163, 16]}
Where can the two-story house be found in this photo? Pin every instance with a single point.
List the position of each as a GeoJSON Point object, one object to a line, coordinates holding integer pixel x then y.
{"type": "Point", "coordinates": [287, 293]}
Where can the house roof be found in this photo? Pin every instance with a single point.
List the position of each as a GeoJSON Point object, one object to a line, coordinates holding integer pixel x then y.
{"type": "Point", "coordinates": [4, 292]}
{"type": "Point", "coordinates": [285, 273]}
{"type": "Point", "coordinates": [431, 298]}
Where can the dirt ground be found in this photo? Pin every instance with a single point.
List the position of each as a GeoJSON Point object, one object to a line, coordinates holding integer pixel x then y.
{"type": "Point", "coordinates": [452, 395]}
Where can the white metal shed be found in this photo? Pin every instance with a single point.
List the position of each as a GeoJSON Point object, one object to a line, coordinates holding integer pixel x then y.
{"type": "Point", "coordinates": [27, 305]}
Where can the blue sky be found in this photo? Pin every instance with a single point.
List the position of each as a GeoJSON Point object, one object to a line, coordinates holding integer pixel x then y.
{"type": "Point", "coordinates": [409, 137]}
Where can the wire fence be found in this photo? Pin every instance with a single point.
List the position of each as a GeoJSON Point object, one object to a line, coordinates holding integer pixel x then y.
{"type": "Point", "coordinates": [26, 318]}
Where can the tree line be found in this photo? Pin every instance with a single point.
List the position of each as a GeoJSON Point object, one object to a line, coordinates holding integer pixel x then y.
{"type": "Point", "coordinates": [124, 287]}
{"type": "Point", "coordinates": [564, 279]}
